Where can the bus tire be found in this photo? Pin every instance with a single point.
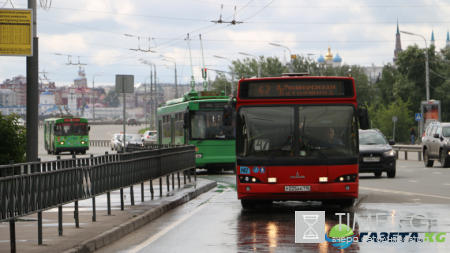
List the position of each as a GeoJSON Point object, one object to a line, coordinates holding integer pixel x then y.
{"type": "Point", "coordinates": [248, 204]}
{"type": "Point", "coordinates": [49, 152]}
{"type": "Point", "coordinates": [346, 203]}
{"type": "Point", "coordinates": [83, 152]}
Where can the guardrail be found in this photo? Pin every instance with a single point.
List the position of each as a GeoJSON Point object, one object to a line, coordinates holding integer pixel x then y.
{"type": "Point", "coordinates": [109, 122]}
{"type": "Point", "coordinates": [99, 143]}
{"type": "Point", "coordinates": [406, 149]}
{"type": "Point", "coordinates": [34, 187]}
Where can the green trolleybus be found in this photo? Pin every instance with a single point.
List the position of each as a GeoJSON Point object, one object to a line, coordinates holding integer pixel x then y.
{"type": "Point", "coordinates": [196, 119]}
{"type": "Point", "coordinates": [66, 135]}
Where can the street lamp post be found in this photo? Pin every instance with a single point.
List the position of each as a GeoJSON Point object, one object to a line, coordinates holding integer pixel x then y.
{"type": "Point", "coordinates": [165, 58]}
{"type": "Point", "coordinates": [232, 71]}
{"type": "Point", "coordinates": [257, 60]}
{"type": "Point", "coordinates": [290, 55]}
{"type": "Point", "coordinates": [427, 80]}
{"type": "Point", "coordinates": [147, 62]}
{"type": "Point", "coordinates": [93, 94]}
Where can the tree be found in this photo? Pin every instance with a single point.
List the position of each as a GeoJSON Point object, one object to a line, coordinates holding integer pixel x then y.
{"type": "Point", "coordinates": [112, 99]}
{"type": "Point", "coordinates": [382, 119]}
{"type": "Point", "coordinates": [220, 83]}
{"type": "Point", "coordinates": [270, 66]}
{"type": "Point", "coordinates": [14, 140]}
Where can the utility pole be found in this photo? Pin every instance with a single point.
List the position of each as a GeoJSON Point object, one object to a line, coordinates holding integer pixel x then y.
{"type": "Point", "coordinates": [33, 92]}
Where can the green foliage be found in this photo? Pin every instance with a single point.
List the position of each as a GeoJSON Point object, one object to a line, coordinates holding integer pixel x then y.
{"type": "Point", "coordinates": [14, 140]}
{"type": "Point", "coordinates": [112, 99]}
{"type": "Point", "coordinates": [381, 118]}
{"type": "Point", "coordinates": [248, 67]}
{"type": "Point", "coordinates": [221, 82]}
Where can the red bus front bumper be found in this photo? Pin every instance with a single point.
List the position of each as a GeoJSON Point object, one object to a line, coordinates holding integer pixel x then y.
{"type": "Point", "coordinates": [324, 191]}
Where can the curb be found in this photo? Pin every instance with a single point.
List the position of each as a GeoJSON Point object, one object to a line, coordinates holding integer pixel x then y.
{"type": "Point", "coordinates": [135, 223]}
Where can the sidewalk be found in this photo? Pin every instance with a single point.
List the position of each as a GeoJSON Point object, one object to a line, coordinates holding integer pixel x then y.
{"type": "Point", "coordinates": [94, 235]}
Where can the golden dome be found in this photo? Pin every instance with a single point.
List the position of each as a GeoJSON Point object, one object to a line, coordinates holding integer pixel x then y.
{"type": "Point", "coordinates": [329, 56]}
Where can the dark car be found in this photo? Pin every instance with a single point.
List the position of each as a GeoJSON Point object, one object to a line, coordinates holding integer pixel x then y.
{"type": "Point", "coordinates": [119, 121]}
{"type": "Point", "coordinates": [133, 121]}
{"type": "Point", "coordinates": [435, 144]}
{"type": "Point", "coordinates": [375, 153]}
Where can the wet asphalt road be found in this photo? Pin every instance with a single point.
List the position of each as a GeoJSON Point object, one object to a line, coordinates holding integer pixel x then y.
{"type": "Point", "coordinates": [215, 221]}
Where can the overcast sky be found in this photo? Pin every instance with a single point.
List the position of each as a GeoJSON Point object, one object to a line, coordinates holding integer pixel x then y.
{"type": "Point", "coordinates": [362, 32]}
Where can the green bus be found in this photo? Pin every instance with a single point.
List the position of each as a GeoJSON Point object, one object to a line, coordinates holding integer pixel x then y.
{"type": "Point", "coordinates": [196, 119]}
{"type": "Point", "coordinates": [69, 134]}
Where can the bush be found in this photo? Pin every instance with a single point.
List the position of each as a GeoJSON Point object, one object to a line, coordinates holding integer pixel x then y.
{"type": "Point", "coordinates": [14, 140]}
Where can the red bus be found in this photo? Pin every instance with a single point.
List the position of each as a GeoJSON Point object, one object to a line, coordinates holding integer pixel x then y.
{"type": "Point", "coordinates": [297, 139]}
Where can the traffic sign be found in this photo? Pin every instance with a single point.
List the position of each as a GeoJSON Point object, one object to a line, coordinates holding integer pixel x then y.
{"type": "Point", "coordinates": [394, 118]}
{"type": "Point", "coordinates": [418, 117]}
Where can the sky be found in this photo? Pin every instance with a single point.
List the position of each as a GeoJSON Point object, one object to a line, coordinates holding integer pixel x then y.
{"type": "Point", "coordinates": [100, 34]}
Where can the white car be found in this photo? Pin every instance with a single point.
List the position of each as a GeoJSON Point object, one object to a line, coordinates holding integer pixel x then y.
{"type": "Point", "coordinates": [150, 136]}
{"type": "Point", "coordinates": [131, 139]}
{"type": "Point", "coordinates": [115, 141]}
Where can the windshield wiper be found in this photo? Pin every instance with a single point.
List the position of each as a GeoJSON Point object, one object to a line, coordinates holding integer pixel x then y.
{"type": "Point", "coordinates": [313, 145]}
{"type": "Point", "coordinates": [274, 153]}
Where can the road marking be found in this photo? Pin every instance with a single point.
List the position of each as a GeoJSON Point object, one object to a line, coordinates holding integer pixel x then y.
{"type": "Point", "coordinates": [445, 184]}
{"type": "Point", "coordinates": [402, 192]}
{"type": "Point", "coordinates": [171, 226]}
{"type": "Point", "coordinates": [413, 181]}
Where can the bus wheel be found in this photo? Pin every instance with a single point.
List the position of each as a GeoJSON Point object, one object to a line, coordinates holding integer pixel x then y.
{"type": "Point", "coordinates": [83, 152]}
{"type": "Point", "coordinates": [248, 204]}
{"type": "Point", "coordinates": [49, 152]}
{"type": "Point", "coordinates": [345, 203]}
{"type": "Point", "coordinates": [56, 152]}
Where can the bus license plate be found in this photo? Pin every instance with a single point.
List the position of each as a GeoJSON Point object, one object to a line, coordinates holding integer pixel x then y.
{"type": "Point", "coordinates": [371, 159]}
{"type": "Point", "coordinates": [300, 188]}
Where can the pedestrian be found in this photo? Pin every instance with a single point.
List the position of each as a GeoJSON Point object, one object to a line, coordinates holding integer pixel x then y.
{"type": "Point", "coordinates": [413, 135]}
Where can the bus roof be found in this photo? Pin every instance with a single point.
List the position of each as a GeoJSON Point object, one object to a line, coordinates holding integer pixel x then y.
{"type": "Point", "coordinates": [66, 119]}
{"type": "Point", "coordinates": [197, 95]}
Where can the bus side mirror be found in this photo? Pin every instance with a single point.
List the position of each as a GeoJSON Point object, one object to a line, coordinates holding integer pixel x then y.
{"type": "Point", "coordinates": [54, 129]}
{"type": "Point", "coordinates": [89, 128]}
{"type": "Point", "coordinates": [363, 117]}
{"type": "Point", "coordinates": [227, 115]}
{"type": "Point", "coordinates": [186, 120]}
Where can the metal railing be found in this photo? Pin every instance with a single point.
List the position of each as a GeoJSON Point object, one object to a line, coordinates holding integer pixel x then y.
{"type": "Point", "coordinates": [34, 187]}
{"type": "Point", "coordinates": [99, 143]}
{"type": "Point", "coordinates": [406, 149]}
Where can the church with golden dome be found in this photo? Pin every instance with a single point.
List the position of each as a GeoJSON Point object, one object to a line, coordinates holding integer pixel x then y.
{"type": "Point", "coordinates": [329, 60]}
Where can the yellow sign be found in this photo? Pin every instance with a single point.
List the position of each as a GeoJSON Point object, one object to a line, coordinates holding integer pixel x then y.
{"type": "Point", "coordinates": [16, 38]}
{"type": "Point", "coordinates": [293, 56]}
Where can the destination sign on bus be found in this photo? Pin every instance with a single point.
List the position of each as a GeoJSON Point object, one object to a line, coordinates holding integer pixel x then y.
{"type": "Point", "coordinates": [303, 89]}
{"type": "Point", "coordinates": [297, 88]}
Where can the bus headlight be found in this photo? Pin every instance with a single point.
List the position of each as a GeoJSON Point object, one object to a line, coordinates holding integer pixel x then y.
{"type": "Point", "coordinates": [62, 143]}
{"type": "Point", "coordinates": [323, 179]}
{"type": "Point", "coordinates": [82, 142]}
{"type": "Point", "coordinates": [198, 155]}
{"type": "Point", "coordinates": [272, 180]}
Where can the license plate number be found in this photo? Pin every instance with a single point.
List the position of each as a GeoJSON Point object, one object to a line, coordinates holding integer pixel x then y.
{"type": "Point", "coordinates": [300, 188]}
{"type": "Point", "coordinates": [371, 159]}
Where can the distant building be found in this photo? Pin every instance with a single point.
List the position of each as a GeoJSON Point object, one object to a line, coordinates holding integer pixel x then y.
{"type": "Point", "coordinates": [398, 45]}
{"type": "Point", "coordinates": [18, 85]}
{"type": "Point", "coordinates": [432, 42]}
{"type": "Point", "coordinates": [374, 73]}
{"type": "Point", "coordinates": [329, 60]}
{"type": "Point", "coordinates": [8, 98]}
{"type": "Point", "coordinates": [80, 81]}
{"type": "Point", "coordinates": [447, 42]}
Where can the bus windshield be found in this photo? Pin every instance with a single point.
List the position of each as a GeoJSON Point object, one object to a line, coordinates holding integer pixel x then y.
{"type": "Point", "coordinates": [302, 131]}
{"type": "Point", "coordinates": [80, 129]}
{"type": "Point", "coordinates": [63, 129]}
{"type": "Point", "coordinates": [207, 125]}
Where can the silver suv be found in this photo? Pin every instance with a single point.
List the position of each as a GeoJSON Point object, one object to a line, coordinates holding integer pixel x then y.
{"type": "Point", "coordinates": [435, 144]}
